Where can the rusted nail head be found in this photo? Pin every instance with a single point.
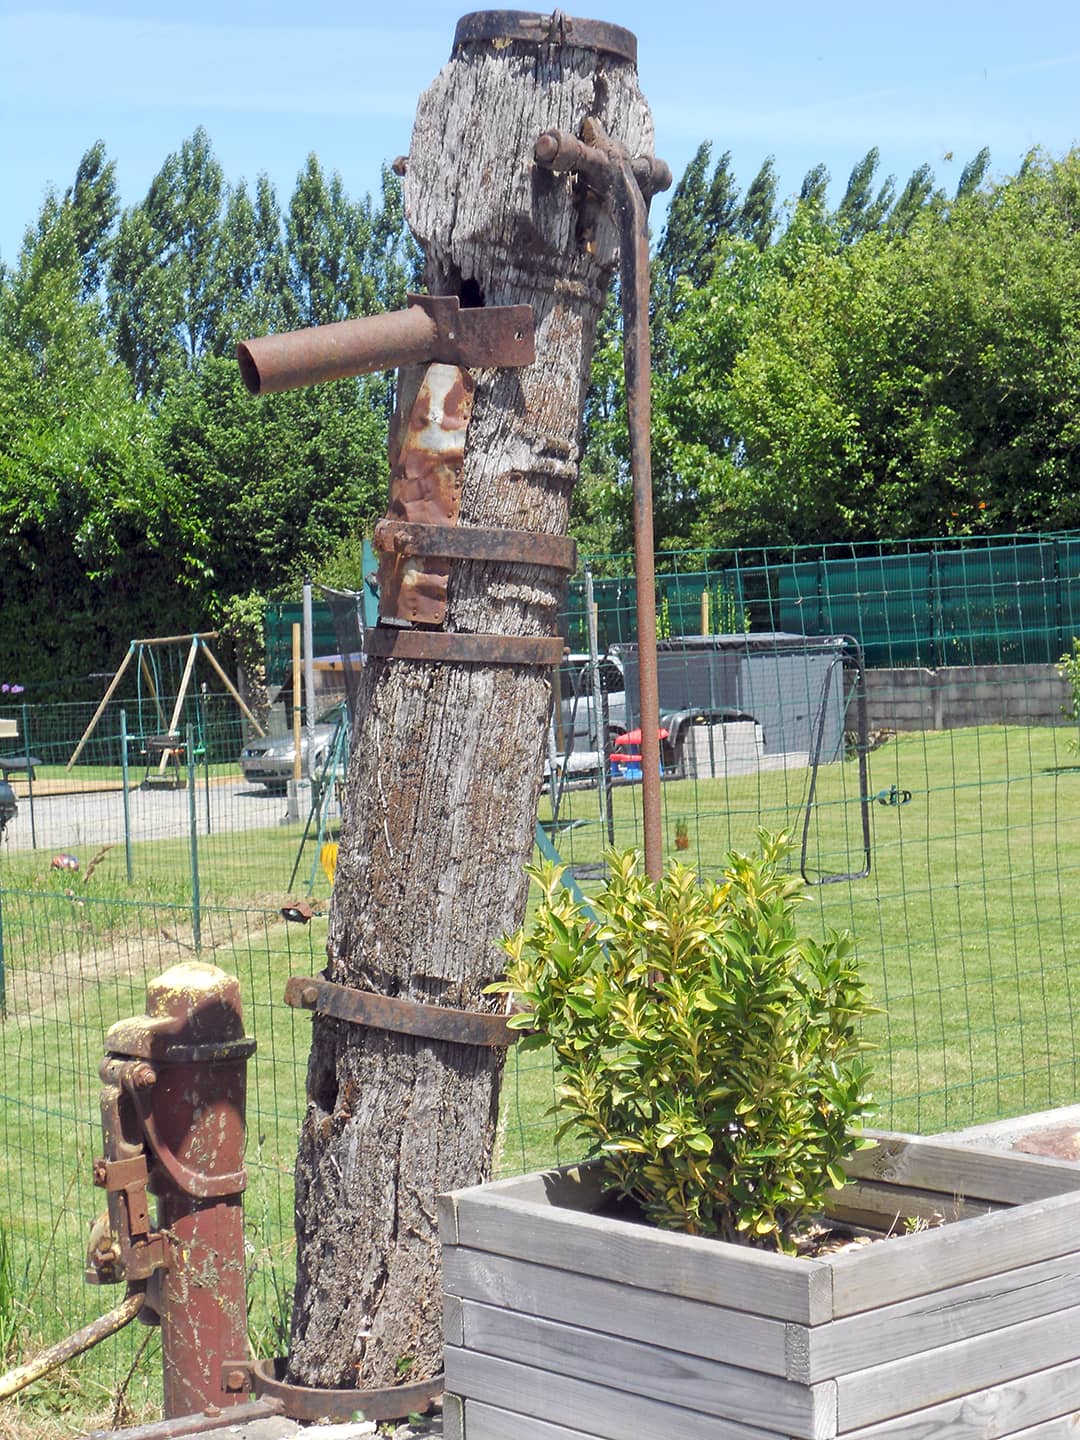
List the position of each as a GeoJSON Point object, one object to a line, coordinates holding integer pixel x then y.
{"type": "Point", "coordinates": [235, 1380]}
{"type": "Point", "coordinates": [310, 994]}
{"type": "Point", "coordinates": [143, 1076]}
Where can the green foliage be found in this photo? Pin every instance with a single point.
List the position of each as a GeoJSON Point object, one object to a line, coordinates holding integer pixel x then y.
{"type": "Point", "coordinates": [1068, 667]}
{"type": "Point", "coordinates": [708, 1052]}
{"type": "Point", "coordinates": [912, 382]}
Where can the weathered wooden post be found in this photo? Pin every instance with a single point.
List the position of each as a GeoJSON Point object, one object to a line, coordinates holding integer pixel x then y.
{"type": "Point", "coordinates": [453, 707]}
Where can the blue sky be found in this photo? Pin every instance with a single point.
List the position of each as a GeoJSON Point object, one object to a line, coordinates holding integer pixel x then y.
{"type": "Point", "coordinates": [272, 81]}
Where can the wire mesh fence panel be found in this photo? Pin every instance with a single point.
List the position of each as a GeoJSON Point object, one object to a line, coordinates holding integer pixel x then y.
{"type": "Point", "coordinates": [897, 709]}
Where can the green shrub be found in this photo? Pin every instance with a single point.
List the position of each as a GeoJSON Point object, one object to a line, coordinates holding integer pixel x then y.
{"type": "Point", "coordinates": [708, 1052]}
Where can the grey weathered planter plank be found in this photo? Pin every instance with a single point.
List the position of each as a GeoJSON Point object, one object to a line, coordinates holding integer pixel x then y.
{"type": "Point", "coordinates": [594, 1327]}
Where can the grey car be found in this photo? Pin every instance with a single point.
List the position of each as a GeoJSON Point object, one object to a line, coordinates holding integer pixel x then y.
{"type": "Point", "coordinates": [270, 761]}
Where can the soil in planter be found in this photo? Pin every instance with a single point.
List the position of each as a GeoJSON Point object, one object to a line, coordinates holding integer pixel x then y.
{"type": "Point", "coordinates": [818, 1236]}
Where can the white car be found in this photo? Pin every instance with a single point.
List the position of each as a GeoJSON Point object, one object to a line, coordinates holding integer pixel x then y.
{"type": "Point", "coordinates": [271, 762]}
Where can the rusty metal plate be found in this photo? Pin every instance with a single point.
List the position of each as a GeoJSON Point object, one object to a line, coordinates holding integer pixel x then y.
{"type": "Point", "coordinates": [439, 647]}
{"type": "Point", "coordinates": [521, 547]}
{"type": "Point", "coordinates": [479, 337]}
{"type": "Point", "coordinates": [404, 1017]}
{"type": "Point", "coordinates": [554, 28]}
{"type": "Point", "coordinates": [427, 460]}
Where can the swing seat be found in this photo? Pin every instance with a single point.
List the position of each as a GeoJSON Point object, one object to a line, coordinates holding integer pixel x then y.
{"type": "Point", "coordinates": [166, 753]}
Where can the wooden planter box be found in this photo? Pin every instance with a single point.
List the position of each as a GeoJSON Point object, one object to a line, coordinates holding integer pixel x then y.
{"type": "Point", "coordinates": [565, 1325]}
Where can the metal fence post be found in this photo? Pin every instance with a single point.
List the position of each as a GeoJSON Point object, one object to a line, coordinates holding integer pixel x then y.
{"type": "Point", "coordinates": [193, 830]}
{"type": "Point", "coordinates": [29, 773]}
{"type": "Point", "coordinates": [124, 780]}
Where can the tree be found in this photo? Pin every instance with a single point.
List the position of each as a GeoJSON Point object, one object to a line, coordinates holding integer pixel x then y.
{"type": "Point", "coordinates": [861, 212]}
{"type": "Point", "coordinates": [700, 212]}
{"type": "Point", "coordinates": [165, 293]}
{"type": "Point", "coordinates": [757, 214]}
{"type": "Point", "coordinates": [94, 207]}
{"type": "Point", "coordinates": [445, 770]}
{"type": "Point", "coordinates": [96, 542]}
{"type": "Point", "coordinates": [812, 191]}
{"type": "Point", "coordinates": [973, 174]}
{"type": "Point", "coordinates": [912, 384]}
{"type": "Point", "coordinates": [276, 484]}
{"type": "Point", "coordinates": [912, 200]}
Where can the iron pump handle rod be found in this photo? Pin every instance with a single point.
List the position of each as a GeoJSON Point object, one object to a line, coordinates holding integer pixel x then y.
{"type": "Point", "coordinates": [607, 168]}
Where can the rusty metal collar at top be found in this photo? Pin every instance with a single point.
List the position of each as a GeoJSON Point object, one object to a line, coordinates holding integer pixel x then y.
{"type": "Point", "coordinates": [550, 29]}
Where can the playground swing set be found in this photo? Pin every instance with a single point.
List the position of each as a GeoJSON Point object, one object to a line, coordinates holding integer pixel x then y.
{"type": "Point", "coordinates": [164, 747]}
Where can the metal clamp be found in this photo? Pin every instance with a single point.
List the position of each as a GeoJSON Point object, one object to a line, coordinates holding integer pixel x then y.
{"type": "Point", "coordinates": [555, 28]}
{"type": "Point", "coordinates": [306, 1402]}
{"type": "Point", "coordinates": [452, 542]}
{"type": "Point", "coordinates": [439, 646]}
{"type": "Point", "coordinates": [404, 1017]}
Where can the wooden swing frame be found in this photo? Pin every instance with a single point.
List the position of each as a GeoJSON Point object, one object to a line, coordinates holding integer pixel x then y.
{"type": "Point", "coordinates": [197, 642]}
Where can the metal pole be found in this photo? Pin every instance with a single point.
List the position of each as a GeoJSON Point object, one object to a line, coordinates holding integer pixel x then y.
{"type": "Point", "coordinates": [607, 820]}
{"type": "Point", "coordinates": [3, 968]}
{"type": "Point", "coordinates": [196, 906]}
{"type": "Point", "coordinates": [297, 772]}
{"type": "Point", "coordinates": [127, 800]}
{"type": "Point", "coordinates": [309, 676]}
{"type": "Point", "coordinates": [29, 774]}
{"type": "Point", "coordinates": [206, 753]}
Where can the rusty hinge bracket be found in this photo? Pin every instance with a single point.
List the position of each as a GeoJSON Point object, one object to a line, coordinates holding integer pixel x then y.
{"type": "Point", "coordinates": [405, 1017]}
{"type": "Point", "coordinates": [452, 542]}
{"type": "Point", "coordinates": [140, 1250]}
{"type": "Point", "coordinates": [305, 1402]}
{"type": "Point", "coordinates": [389, 642]}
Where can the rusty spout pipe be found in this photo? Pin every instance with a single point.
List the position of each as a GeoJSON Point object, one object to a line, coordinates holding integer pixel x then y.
{"type": "Point", "coordinates": [332, 352]}
{"type": "Point", "coordinates": [433, 328]}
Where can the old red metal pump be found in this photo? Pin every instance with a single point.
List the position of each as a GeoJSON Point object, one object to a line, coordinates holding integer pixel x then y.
{"type": "Point", "coordinates": [172, 1112]}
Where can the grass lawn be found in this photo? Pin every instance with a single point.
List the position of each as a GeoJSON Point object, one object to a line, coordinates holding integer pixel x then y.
{"type": "Point", "coordinates": [968, 927]}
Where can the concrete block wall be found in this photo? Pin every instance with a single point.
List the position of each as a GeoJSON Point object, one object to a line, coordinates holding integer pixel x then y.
{"type": "Point", "coordinates": [957, 696]}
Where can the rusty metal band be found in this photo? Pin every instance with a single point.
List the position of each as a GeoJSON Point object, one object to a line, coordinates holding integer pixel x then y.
{"type": "Point", "coordinates": [452, 542]}
{"type": "Point", "coordinates": [388, 642]}
{"type": "Point", "coordinates": [554, 28]}
{"type": "Point", "coordinates": [305, 1402]}
{"type": "Point", "coordinates": [404, 1017]}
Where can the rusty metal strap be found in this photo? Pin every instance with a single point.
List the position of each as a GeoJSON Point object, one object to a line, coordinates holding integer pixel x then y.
{"type": "Point", "coordinates": [306, 1402]}
{"type": "Point", "coordinates": [554, 28]}
{"type": "Point", "coordinates": [438, 646]}
{"type": "Point", "coordinates": [116, 1175]}
{"type": "Point", "coordinates": [404, 1017]}
{"type": "Point", "coordinates": [452, 542]}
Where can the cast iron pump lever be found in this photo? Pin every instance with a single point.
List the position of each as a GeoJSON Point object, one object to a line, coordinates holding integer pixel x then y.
{"type": "Point", "coordinates": [608, 170]}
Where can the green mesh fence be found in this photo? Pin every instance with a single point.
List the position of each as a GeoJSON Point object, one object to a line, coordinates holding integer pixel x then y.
{"type": "Point", "coordinates": [910, 733]}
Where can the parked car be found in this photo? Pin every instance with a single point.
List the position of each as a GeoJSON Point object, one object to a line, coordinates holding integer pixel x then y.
{"type": "Point", "coordinates": [270, 761]}
{"type": "Point", "coordinates": [8, 806]}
